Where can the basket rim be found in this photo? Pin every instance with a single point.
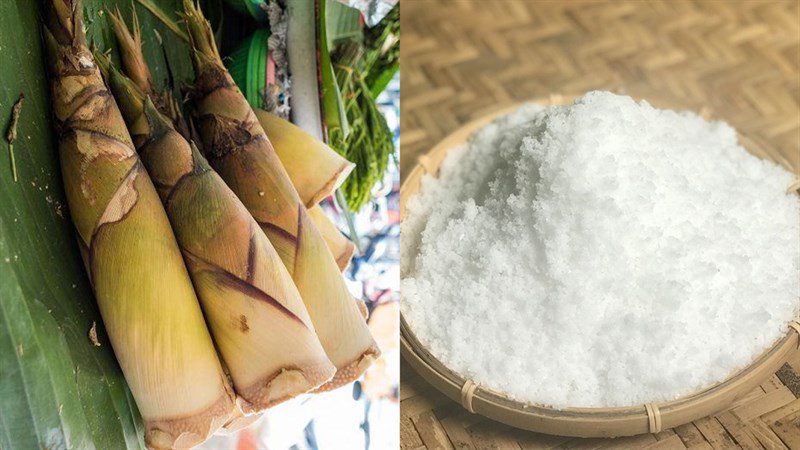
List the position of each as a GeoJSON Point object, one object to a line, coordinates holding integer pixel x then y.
{"type": "Point", "coordinates": [574, 421]}
{"type": "Point", "coordinates": [412, 343]}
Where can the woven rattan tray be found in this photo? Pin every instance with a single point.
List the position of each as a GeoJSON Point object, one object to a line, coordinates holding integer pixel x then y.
{"type": "Point", "coordinates": [578, 422]}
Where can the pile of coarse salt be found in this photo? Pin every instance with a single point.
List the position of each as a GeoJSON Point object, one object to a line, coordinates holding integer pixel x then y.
{"type": "Point", "coordinates": [601, 254]}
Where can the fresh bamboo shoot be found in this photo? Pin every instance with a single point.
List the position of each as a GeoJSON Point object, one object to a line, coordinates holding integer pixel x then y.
{"type": "Point", "coordinates": [238, 148]}
{"type": "Point", "coordinates": [143, 290]}
{"type": "Point", "coordinates": [315, 169]}
{"type": "Point", "coordinates": [257, 318]}
{"type": "Point", "coordinates": [316, 172]}
{"type": "Point", "coordinates": [341, 247]}
{"type": "Point", "coordinates": [130, 45]}
{"type": "Point", "coordinates": [137, 69]}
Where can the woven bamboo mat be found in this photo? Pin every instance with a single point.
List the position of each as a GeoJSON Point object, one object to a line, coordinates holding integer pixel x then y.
{"type": "Point", "coordinates": [766, 418]}
{"type": "Point", "coordinates": [736, 61]}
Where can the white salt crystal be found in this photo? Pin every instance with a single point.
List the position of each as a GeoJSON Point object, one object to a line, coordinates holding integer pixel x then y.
{"type": "Point", "coordinates": [604, 253]}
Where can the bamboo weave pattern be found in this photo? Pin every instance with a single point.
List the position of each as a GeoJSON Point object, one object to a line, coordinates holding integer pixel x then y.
{"type": "Point", "coordinates": [736, 61]}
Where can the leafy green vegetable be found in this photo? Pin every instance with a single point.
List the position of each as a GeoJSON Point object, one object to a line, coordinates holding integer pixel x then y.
{"type": "Point", "coordinates": [57, 390]}
{"type": "Point", "coordinates": [363, 67]}
{"type": "Point", "coordinates": [382, 54]}
{"type": "Point", "coordinates": [368, 145]}
{"type": "Point", "coordinates": [333, 110]}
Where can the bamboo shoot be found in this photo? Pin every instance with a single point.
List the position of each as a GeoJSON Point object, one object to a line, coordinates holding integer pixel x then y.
{"type": "Point", "coordinates": [238, 148]}
{"type": "Point", "coordinates": [143, 290]}
{"type": "Point", "coordinates": [255, 313]}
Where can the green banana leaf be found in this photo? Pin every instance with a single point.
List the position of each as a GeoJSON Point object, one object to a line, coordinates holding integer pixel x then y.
{"type": "Point", "coordinates": [57, 389]}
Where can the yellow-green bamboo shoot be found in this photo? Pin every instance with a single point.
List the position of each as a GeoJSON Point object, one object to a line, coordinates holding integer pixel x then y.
{"type": "Point", "coordinates": [240, 151]}
{"type": "Point", "coordinates": [257, 318]}
{"type": "Point", "coordinates": [315, 169]}
{"type": "Point", "coordinates": [316, 172]}
{"type": "Point", "coordinates": [143, 289]}
{"type": "Point", "coordinates": [137, 69]}
{"type": "Point", "coordinates": [130, 45]}
{"type": "Point", "coordinates": [341, 247]}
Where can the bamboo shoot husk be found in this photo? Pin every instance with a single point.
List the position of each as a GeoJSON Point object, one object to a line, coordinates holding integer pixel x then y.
{"type": "Point", "coordinates": [315, 169]}
{"type": "Point", "coordinates": [341, 247]}
{"type": "Point", "coordinates": [240, 151]}
{"type": "Point", "coordinates": [130, 45]}
{"type": "Point", "coordinates": [316, 172]}
{"type": "Point", "coordinates": [143, 290]}
{"type": "Point", "coordinates": [136, 68]}
{"type": "Point", "coordinates": [257, 318]}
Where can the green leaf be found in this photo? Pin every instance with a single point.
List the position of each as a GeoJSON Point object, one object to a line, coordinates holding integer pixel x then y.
{"type": "Point", "coordinates": [379, 83]}
{"type": "Point", "coordinates": [57, 390]}
{"type": "Point", "coordinates": [211, 8]}
{"type": "Point", "coordinates": [382, 58]}
{"type": "Point", "coordinates": [342, 23]}
{"type": "Point", "coordinates": [334, 116]}
{"type": "Point", "coordinates": [165, 18]}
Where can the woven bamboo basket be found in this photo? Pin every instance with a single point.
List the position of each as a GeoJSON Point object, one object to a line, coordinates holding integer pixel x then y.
{"type": "Point", "coordinates": [576, 422]}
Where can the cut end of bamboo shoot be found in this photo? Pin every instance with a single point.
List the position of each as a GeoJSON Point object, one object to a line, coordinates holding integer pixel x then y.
{"type": "Point", "coordinates": [287, 384]}
{"type": "Point", "coordinates": [339, 322]}
{"type": "Point", "coordinates": [187, 432]}
{"type": "Point", "coordinates": [240, 420]}
{"type": "Point", "coordinates": [352, 371]}
{"type": "Point", "coordinates": [335, 181]}
{"type": "Point", "coordinates": [315, 169]}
